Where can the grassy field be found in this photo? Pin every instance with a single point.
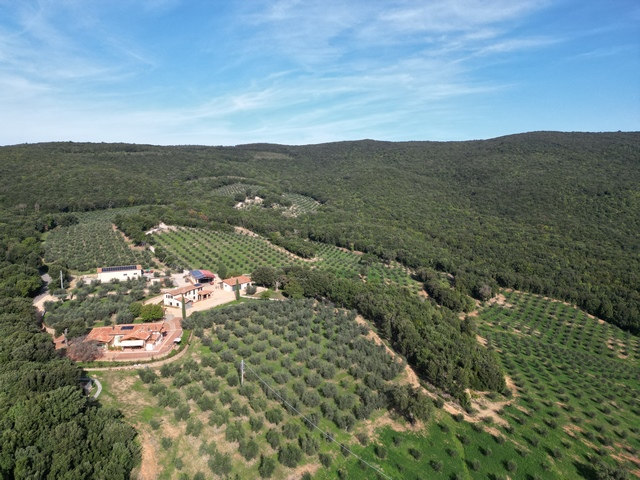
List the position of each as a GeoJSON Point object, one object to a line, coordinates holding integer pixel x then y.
{"type": "Point", "coordinates": [92, 243]}
{"type": "Point", "coordinates": [575, 383]}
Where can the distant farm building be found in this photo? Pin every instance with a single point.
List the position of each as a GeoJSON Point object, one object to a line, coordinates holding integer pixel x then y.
{"type": "Point", "coordinates": [201, 276]}
{"type": "Point", "coordinates": [145, 336]}
{"type": "Point", "coordinates": [190, 293]}
{"type": "Point", "coordinates": [122, 273]}
{"type": "Point", "coordinates": [229, 284]}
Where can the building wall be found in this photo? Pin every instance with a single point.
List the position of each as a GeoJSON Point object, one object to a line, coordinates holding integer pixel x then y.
{"type": "Point", "coordinates": [106, 277]}
{"type": "Point", "coordinates": [231, 288]}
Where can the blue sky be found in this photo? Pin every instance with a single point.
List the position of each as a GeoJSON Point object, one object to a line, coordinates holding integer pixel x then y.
{"type": "Point", "coordinates": [296, 72]}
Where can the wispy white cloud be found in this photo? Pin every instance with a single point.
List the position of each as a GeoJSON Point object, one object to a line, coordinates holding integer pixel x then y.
{"type": "Point", "coordinates": [265, 70]}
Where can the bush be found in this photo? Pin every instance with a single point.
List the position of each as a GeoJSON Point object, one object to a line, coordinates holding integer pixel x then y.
{"type": "Point", "coordinates": [274, 415]}
{"type": "Point", "coordinates": [267, 466]}
{"type": "Point", "coordinates": [290, 455]}
{"type": "Point", "coordinates": [166, 443]}
{"type": "Point", "coordinates": [249, 450]}
{"type": "Point", "coordinates": [380, 451]}
{"type": "Point", "coordinates": [325, 460]}
{"type": "Point", "coordinates": [194, 427]}
{"type": "Point", "coordinates": [290, 430]}
{"type": "Point", "coordinates": [256, 423]}
{"type": "Point", "coordinates": [232, 379]}
{"type": "Point", "coordinates": [363, 438]}
{"type": "Point", "coordinates": [220, 464]}
{"type": "Point", "coordinates": [273, 438]}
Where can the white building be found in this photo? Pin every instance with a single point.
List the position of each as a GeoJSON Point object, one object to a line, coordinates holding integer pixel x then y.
{"type": "Point", "coordinates": [229, 284]}
{"type": "Point", "coordinates": [123, 273]}
{"type": "Point", "coordinates": [191, 293]}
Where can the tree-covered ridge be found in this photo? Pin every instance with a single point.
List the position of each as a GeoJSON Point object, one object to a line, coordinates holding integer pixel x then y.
{"type": "Point", "coordinates": [551, 213]}
{"type": "Point", "coordinates": [48, 427]}
{"type": "Point", "coordinates": [441, 349]}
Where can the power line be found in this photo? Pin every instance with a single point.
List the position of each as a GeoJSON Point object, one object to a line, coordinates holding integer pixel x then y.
{"type": "Point", "coordinates": [325, 434]}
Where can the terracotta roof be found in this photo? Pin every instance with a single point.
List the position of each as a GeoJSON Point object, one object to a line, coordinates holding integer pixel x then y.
{"type": "Point", "coordinates": [101, 335]}
{"type": "Point", "coordinates": [181, 290]}
{"type": "Point", "coordinates": [139, 335]}
{"type": "Point", "coordinates": [138, 331]}
{"type": "Point", "coordinates": [241, 279]}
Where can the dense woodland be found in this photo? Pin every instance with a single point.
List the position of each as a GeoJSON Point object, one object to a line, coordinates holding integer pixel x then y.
{"type": "Point", "coordinates": [549, 213]}
{"type": "Point", "coordinates": [48, 427]}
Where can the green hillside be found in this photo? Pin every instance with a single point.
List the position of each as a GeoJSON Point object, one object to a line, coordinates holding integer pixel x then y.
{"type": "Point", "coordinates": [546, 212]}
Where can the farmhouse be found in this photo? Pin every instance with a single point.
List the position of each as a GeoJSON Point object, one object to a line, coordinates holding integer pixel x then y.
{"type": "Point", "coordinates": [191, 293]}
{"type": "Point", "coordinates": [229, 284]}
{"type": "Point", "coordinates": [201, 276]}
{"type": "Point", "coordinates": [146, 336]}
{"type": "Point", "coordinates": [121, 273]}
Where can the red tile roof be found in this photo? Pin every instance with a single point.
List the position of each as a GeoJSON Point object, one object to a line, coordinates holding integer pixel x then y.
{"type": "Point", "coordinates": [140, 331]}
{"type": "Point", "coordinates": [182, 290]}
{"type": "Point", "coordinates": [241, 280]}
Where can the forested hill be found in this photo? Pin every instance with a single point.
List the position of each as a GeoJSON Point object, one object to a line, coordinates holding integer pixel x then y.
{"type": "Point", "coordinates": [548, 212]}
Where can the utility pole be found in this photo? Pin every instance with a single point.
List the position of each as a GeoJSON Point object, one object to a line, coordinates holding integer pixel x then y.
{"type": "Point", "coordinates": [61, 281]}
{"type": "Point", "coordinates": [66, 342]}
{"type": "Point", "coordinates": [242, 372]}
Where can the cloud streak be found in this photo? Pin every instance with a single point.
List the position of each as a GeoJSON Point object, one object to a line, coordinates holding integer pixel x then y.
{"type": "Point", "coordinates": [287, 70]}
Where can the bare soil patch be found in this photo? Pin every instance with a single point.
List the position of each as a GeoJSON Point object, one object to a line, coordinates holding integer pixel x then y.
{"type": "Point", "coordinates": [149, 467]}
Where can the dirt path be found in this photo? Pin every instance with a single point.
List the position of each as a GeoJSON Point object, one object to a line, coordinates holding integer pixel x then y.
{"type": "Point", "coordinates": [149, 467]}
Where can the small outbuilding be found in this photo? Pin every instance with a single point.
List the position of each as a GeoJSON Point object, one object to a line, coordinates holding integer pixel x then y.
{"type": "Point", "coordinates": [242, 282]}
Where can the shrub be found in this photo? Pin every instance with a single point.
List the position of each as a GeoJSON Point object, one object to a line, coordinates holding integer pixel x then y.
{"type": "Point", "coordinates": [249, 450]}
{"type": "Point", "coordinates": [166, 442]}
{"type": "Point", "coordinates": [363, 438]}
{"type": "Point", "coordinates": [290, 430]}
{"type": "Point", "coordinates": [415, 453]}
{"type": "Point", "coordinates": [194, 427]}
{"type": "Point", "coordinates": [325, 460]}
{"type": "Point", "coordinates": [220, 464]}
{"type": "Point", "coordinates": [273, 438]}
{"type": "Point", "coordinates": [308, 444]}
{"type": "Point", "coordinates": [182, 412]}
{"type": "Point", "coordinates": [380, 451]}
{"type": "Point", "coordinates": [256, 423]}
{"type": "Point", "coordinates": [267, 466]}
{"type": "Point", "coordinates": [274, 415]}
{"type": "Point", "coordinates": [232, 379]}
{"type": "Point", "coordinates": [290, 455]}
